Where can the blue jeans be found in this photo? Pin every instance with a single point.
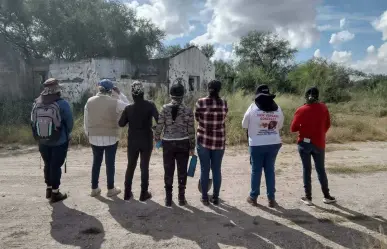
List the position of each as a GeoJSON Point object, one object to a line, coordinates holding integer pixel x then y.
{"type": "Point", "coordinates": [263, 157]}
{"type": "Point", "coordinates": [307, 151]}
{"type": "Point", "coordinates": [110, 160]}
{"type": "Point", "coordinates": [210, 159]}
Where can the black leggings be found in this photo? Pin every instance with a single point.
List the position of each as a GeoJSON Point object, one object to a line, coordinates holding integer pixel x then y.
{"type": "Point", "coordinates": [175, 152]}
{"type": "Point", "coordinates": [133, 154]}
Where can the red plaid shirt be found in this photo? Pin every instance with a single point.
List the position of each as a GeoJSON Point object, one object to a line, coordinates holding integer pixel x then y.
{"type": "Point", "coordinates": [211, 115]}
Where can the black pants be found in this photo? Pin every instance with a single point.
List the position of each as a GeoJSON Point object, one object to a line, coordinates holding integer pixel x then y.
{"type": "Point", "coordinates": [175, 152]}
{"type": "Point", "coordinates": [53, 157]}
{"type": "Point", "coordinates": [133, 153]}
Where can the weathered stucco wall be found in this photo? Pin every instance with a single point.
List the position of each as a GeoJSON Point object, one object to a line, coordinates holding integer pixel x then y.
{"type": "Point", "coordinates": [16, 81]}
{"type": "Point", "coordinates": [192, 62]}
{"type": "Point", "coordinates": [80, 78]}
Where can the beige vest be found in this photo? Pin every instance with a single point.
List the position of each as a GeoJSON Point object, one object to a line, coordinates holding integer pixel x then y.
{"type": "Point", "coordinates": [102, 116]}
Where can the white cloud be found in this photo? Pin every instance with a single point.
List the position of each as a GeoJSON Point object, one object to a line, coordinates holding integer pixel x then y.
{"type": "Point", "coordinates": [325, 27]}
{"type": "Point", "coordinates": [381, 25]}
{"type": "Point", "coordinates": [317, 53]}
{"type": "Point", "coordinates": [341, 37]}
{"type": "Point", "coordinates": [222, 53]}
{"type": "Point", "coordinates": [293, 20]}
{"type": "Point", "coordinates": [170, 15]}
{"type": "Point", "coordinates": [343, 21]}
{"type": "Point", "coordinates": [371, 49]}
{"type": "Point", "coordinates": [342, 57]}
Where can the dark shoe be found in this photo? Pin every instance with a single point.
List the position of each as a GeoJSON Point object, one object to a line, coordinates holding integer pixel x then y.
{"type": "Point", "coordinates": [168, 200]}
{"type": "Point", "coordinates": [182, 200]}
{"type": "Point", "coordinates": [205, 202]}
{"type": "Point", "coordinates": [272, 203]}
{"type": "Point", "coordinates": [56, 197]}
{"type": "Point", "coordinates": [215, 201]}
{"type": "Point", "coordinates": [307, 201]}
{"type": "Point", "coordinates": [48, 193]}
{"type": "Point", "coordinates": [128, 195]}
{"type": "Point", "coordinates": [329, 200]}
{"type": "Point", "coordinates": [145, 196]}
{"type": "Point", "coordinates": [251, 201]}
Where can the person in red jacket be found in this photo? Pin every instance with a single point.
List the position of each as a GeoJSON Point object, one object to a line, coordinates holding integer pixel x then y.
{"type": "Point", "coordinates": [312, 122]}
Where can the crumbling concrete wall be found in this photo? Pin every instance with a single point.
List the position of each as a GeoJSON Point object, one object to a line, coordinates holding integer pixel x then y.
{"type": "Point", "coordinates": [192, 62]}
{"type": "Point", "coordinates": [80, 78]}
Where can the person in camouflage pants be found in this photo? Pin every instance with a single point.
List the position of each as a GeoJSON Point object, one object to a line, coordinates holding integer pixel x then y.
{"type": "Point", "coordinates": [176, 122]}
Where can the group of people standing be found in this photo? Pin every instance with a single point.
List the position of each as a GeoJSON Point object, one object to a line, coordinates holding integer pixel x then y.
{"type": "Point", "coordinates": [109, 109]}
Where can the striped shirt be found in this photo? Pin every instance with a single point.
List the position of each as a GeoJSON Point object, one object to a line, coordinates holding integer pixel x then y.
{"type": "Point", "coordinates": [211, 115]}
{"type": "Point", "coordinates": [122, 102]}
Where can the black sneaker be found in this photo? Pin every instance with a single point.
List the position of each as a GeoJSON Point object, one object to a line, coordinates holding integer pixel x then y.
{"type": "Point", "coordinates": [307, 201]}
{"type": "Point", "coordinates": [205, 202]}
{"type": "Point", "coordinates": [182, 201]}
{"type": "Point", "coordinates": [128, 195]}
{"type": "Point", "coordinates": [48, 193]}
{"type": "Point", "coordinates": [215, 201]}
{"type": "Point", "coordinates": [145, 196]}
{"type": "Point", "coordinates": [56, 197]}
{"type": "Point", "coordinates": [329, 200]}
{"type": "Point", "coordinates": [168, 200]}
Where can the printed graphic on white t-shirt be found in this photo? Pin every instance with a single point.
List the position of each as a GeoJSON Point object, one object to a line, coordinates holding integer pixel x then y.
{"type": "Point", "coordinates": [263, 127]}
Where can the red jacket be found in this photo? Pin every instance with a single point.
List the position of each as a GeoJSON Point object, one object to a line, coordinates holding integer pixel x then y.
{"type": "Point", "coordinates": [312, 121]}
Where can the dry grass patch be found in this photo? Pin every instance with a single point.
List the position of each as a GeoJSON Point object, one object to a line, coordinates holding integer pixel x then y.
{"type": "Point", "coordinates": [333, 148]}
{"type": "Point", "coordinates": [344, 169]}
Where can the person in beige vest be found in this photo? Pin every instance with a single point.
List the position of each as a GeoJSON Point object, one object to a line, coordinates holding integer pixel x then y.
{"type": "Point", "coordinates": [101, 126]}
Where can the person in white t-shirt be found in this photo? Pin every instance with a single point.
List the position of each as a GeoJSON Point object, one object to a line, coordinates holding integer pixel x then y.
{"type": "Point", "coordinates": [263, 120]}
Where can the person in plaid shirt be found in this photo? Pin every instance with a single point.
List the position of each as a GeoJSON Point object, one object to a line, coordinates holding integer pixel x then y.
{"type": "Point", "coordinates": [211, 114]}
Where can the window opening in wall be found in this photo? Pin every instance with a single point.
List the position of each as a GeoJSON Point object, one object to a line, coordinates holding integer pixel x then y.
{"type": "Point", "coordinates": [191, 83]}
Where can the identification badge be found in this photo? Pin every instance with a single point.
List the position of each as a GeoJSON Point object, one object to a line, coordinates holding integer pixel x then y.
{"type": "Point", "coordinates": [307, 140]}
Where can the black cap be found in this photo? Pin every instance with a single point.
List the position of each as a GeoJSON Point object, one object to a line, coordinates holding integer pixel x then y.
{"type": "Point", "coordinates": [177, 89]}
{"type": "Point", "coordinates": [263, 90]}
{"type": "Point", "coordinates": [312, 92]}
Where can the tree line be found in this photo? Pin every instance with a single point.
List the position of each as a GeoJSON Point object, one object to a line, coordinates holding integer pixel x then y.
{"type": "Point", "coordinates": [80, 29]}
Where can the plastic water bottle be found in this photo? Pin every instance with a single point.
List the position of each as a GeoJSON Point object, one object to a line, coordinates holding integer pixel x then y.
{"type": "Point", "coordinates": [159, 144]}
{"type": "Point", "coordinates": [192, 166]}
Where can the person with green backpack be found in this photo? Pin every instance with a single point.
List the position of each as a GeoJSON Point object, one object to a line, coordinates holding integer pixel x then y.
{"type": "Point", "coordinates": [52, 124]}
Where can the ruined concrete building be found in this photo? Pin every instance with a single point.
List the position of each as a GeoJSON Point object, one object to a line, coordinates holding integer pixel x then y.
{"type": "Point", "coordinates": [19, 79]}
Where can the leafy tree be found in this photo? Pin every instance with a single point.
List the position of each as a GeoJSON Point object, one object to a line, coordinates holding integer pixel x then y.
{"type": "Point", "coordinates": [77, 29]}
{"type": "Point", "coordinates": [168, 51]}
{"type": "Point", "coordinates": [226, 73]}
{"type": "Point", "coordinates": [266, 50]}
{"type": "Point", "coordinates": [332, 79]}
{"type": "Point", "coordinates": [208, 50]}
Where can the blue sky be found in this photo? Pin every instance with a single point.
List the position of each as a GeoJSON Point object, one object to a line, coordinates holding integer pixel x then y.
{"type": "Point", "coordinates": [309, 25]}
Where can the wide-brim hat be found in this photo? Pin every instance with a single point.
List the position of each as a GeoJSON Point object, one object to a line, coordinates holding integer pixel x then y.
{"type": "Point", "coordinates": [51, 86]}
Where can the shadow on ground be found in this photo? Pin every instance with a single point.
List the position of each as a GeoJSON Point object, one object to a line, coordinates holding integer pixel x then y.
{"type": "Point", "coordinates": [72, 227]}
{"type": "Point", "coordinates": [331, 229]}
{"type": "Point", "coordinates": [231, 227]}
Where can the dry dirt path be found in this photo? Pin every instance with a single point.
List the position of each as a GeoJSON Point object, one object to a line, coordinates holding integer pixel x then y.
{"type": "Point", "coordinates": [27, 220]}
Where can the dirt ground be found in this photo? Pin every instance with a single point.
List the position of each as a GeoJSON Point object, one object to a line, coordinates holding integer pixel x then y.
{"type": "Point", "coordinates": [28, 220]}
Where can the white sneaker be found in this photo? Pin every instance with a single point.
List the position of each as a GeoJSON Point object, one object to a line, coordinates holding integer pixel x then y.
{"type": "Point", "coordinates": [329, 200]}
{"type": "Point", "coordinates": [307, 201]}
{"type": "Point", "coordinates": [95, 192]}
{"type": "Point", "coordinates": [113, 192]}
